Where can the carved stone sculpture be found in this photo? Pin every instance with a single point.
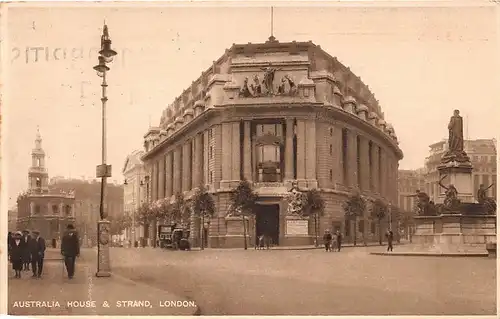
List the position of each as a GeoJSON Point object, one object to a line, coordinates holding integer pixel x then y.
{"type": "Point", "coordinates": [424, 207]}
{"type": "Point", "coordinates": [245, 91]}
{"type": "Point", "coordinates": [451, 201]}
{"type": "Point", "coordinates": [268, 81]}
{"type": "Point", "coordinates": [488, 203]}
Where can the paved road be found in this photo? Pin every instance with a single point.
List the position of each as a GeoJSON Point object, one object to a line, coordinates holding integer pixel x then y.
{"type": "Point", "coordinates": [352, 282]}
{"type": "Point", "coordinates": [85, 294]}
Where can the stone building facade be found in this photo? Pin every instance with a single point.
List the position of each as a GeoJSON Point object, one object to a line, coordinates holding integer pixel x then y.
{"type": "Point", "coordinates": [409, 181]}
{"type": "Point", "coordinates": [134, 193]}
{"type": "Point", "coordinates": [274, 113]}
{"type": "Point", "coordinates": [39, 208]}
{"type": "Point", "coordinates": [483, 156]}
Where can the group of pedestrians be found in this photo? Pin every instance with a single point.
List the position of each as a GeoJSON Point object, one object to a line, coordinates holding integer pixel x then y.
{"type": "Point", "coordinates": [332, 242]}
{"type": "Point", "coordinates": [25, 250]}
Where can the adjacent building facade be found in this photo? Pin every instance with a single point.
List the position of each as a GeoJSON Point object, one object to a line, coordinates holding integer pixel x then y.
{"type": "Point", "coordinates": [483, 156]}
{"type": "Point", "coordinates": [134, 193]}
{"type": "Point", "coordinates": [40, 208]}
{"type": "Point", "coordinates": [409, 181]}
{"type": "Point", "coordinates": [87, 197]}
{"type": "Point", "coordinates": [274, 113]}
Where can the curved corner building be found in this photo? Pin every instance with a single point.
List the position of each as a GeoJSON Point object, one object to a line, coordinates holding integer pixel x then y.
{"type": "Point", "coordinates": [274, 113]}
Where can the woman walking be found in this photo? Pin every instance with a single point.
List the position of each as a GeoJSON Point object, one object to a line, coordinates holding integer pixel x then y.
{"type": "Point", "coordinates": [16, 254]}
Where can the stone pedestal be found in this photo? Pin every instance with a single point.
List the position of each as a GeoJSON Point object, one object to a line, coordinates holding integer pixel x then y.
{"type": "Point", "coordinates": [297, 232]}
{"type": "Point", "coordinates": [460, 176]}
{"type": "Point", "coordinates": [454, 232]}
{"type": "Point", "coordinates": [104, 239]}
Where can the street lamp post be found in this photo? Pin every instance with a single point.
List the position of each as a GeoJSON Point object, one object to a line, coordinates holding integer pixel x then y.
{"type": "Point", "coordinates": [390, 216]}
{"type": "Point", "coordinates": [103, 171]}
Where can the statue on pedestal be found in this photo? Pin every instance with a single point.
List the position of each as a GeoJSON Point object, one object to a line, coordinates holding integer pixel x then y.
{"type": "Point", "coordinates": [269, 79]}
{"type": "Point", "coordinates": [451, 200]}
{"type": "Point", "coordinates": [455, 140]}
{"type": "Point", "coordinates": [488, 203]}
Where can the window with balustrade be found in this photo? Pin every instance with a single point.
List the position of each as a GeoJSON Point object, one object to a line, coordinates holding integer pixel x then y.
{"type": "Point", "coordinates": [269, 152]}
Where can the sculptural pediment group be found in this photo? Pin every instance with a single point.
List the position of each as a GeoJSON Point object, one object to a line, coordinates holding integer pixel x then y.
{"type": "Point", "coordinates": [267, 86]}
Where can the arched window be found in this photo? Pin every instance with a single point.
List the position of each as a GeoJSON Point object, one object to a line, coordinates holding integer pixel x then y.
{"type": "Point", "coordinates": [38, 162]}
{"type": "Point", "coordinates": [55, 209]}
{"type": "Point", "coordinates": [38, 182]}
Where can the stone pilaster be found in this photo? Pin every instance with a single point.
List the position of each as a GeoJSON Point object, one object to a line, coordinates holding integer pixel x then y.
{"type": "Point", "coordinates": [310, 153]}
{"type": "Point", "coordinates": [186, 166]}
{"type": "Point", "coordinates": [352, 159]}
{"type": "Point", "coordinates": [197, 160]}
{"type": "Point", "coordinates": [365, 163]}
{"type": "Point", "coordinates": [226, 158]}
{"type": "Point", "coordinates": [154, 182]}
{"type": "Point", "coordinates": [383, 173]}
{"type": "Point", "coordinates": [235, 152]}
{"type": "Point", "coordinates": [301, 149]}
{"type": "Point", "coordinates": [61, 209]}
{"type": "Point", "coordinates": [217, 159]}
{"type": "Point", "coordinates": [247, 151]}
{"type": "Point", "coordinates": [375, 168]}
{"type": "Point", "coordinates": [169, 178]}
{"type": "Point", "coordinates": [177, 171]}
{"type": "Point", "coordinates": [289, 150]}
{"type": "Point", "coordinates": [337, 155]}
{"type": "Point", "coordinates": [206, 158]}
{"type": "Point", "coordinates": [161, 177]}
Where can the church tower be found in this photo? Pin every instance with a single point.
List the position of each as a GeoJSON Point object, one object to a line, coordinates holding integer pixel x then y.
{"type": "Point", "coordinates": [37, 174]}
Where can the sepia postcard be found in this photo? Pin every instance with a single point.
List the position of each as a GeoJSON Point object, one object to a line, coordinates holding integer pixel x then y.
{"type": "Point", "coordinates": [249, 158]}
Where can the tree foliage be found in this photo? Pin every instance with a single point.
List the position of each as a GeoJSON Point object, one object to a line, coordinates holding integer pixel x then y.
{"type": "Point", "coordinates": [119, 224]}
{"type": "Point", "coordinates": [313, 203]}
{"type": "Point", "coordinates": [378, 210]}
{"type": "Point", "coordinates": [144, 214]}
{"type": "Point", "coordinates": [243, 198]}
{"type": "Point", "coordinates": [178, 208]}
{"type": "Point", "coordinates": [203, 203]}
{"type": "Point", "coordinates": [354, 206]}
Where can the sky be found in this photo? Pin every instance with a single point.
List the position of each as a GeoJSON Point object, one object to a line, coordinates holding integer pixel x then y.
{"type": "Point", "coordinates": [420, 62]}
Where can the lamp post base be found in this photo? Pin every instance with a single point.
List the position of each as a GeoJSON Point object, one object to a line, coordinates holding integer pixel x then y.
{"type": "Point", "coordinates": [103, 263]}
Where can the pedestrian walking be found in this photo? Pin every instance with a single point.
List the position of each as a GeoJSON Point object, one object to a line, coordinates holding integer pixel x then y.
{"type": "Point", "coordinates": [339, 240]}
{"type": "Point", "coordinates": [70, 249]}
{"type": "Point", "coordinates": [26, 253]}
{"type": "Point", "coordinates": [390, 238]}
{"type": "Point", "coordinates": [16, 253]}
{"type": "Point", "coordinates": [37, 250]}
{"type": "Point", "coordinates": [327, 240]}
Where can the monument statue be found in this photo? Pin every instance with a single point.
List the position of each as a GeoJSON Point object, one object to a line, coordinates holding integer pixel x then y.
{"type": "Point", "coordinates": [269, 78]}
{"type": "Point", "coordinates": [451, 200]}
{"type": "Point", "coordinates": [488, 203]}
{"type": "Point", "coordinates": [456, 140]}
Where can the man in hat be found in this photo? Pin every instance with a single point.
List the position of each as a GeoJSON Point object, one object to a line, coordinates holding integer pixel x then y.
{"type": "Point", "coordinates": [37, 251]}
{"type": "Point", "coordinates": [26, 253]}
{"type": "Point", "coordinates": [70, 249]}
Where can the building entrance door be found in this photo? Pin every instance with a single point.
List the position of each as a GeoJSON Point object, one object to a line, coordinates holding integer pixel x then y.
{"type": "Point", "coordinates": [267, 222]}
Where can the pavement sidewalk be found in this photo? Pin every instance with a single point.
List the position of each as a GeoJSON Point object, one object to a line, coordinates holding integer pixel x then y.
{"type": "Point", "coordinates": [86, 294]}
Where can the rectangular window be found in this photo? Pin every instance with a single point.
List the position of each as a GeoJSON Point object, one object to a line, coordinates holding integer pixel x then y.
{"type": "Point", "coordinates": [211, 152]}
{"type": "Point", "coordinates": [331, 175]}
{"type": "Point", "coordinates": [211, 177]}
{"type": "Point", "coordinates": [331, 149]}
{"type": "Point", "coordinates": [344, 156]}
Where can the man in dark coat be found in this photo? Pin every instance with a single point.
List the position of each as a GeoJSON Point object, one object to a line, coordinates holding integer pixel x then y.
{"type": "Point", "coordinates": [70, 249]}
{"type": "Point", "coordinates": [16, 253]}
{"type": "Point", "coordinates": [339, 240]}
{"type": "Point", "coordinates": [26, 254]}
{"type": "Point", "coordinates": [37, 250]}
{"type": "Point", "coordinates": [327, 240]}
{"type": "Point", "coordinates": [390, 238]}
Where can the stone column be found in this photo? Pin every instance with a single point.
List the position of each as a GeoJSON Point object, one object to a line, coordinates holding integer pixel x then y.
{"type": "Point", "coordinates": [61, 209]}
{"type": "Point", "coordinates": [177, 171]}
{"type": "Point", "coordinates": [352, 159]}
{"type": "Point", "coordinates": [206, 158]}
{"type": "Point", "coordinates": [32, 208]}
{"type": "Point", "coordinates": [383, 173]}
{"type": "Point", "coordinates": [226, 159]}
{"type": "Point", "coordinates": [186, 169]}
{"type": "Point", "coordinates": [153, 181]}
{"type": "Point", "coordinates": [197, 160]}
{"type": "Point", "coordinates": [301, 149]}
{"type": "Point", "coordinates": [219, 140]}
{"type": "Point", "coordinates": [247, 151]}
{"type": "Point", "coordinates": [161, 177]}
{"type": "Point", "coordinates": [235, 152]}
{"type": "Point", "coordinates": [289, 150]}
{"type": "Point", "coordinates": [375, 168]}
{"type": "Point", "coordinates": [365, 163]}
{"type": "Point", "coordinates": [168, 175]}
{"type": "Point", "coordinates": [310, 150]}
